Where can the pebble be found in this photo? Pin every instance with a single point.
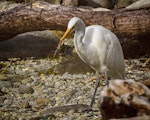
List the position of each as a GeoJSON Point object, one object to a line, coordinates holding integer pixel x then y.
{"type": "Point", "coordinates": [25, 89]}
{"type": "Point", "coordinates": [24, 104]}
{"type": "Point", "coordinates": [34, 91]}
{"type": "Point", "coordinates": [5, 84]}
{"type": "Point", "coordinates": [43, 101]}
{"type": "Point", "coordinates": [7, 102]}
{"type": "Point", "coordinates": [2, 100]}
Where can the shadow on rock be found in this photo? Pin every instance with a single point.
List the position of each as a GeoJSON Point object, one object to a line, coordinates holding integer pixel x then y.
{"type": "Point", "coordinates": [31, 44]}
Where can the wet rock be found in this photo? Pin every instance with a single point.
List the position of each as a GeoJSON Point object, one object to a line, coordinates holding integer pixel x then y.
{"type": "Point", "coordinates": [25, 89]}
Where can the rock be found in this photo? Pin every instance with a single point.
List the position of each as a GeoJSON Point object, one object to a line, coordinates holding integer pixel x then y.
{"type": "Point", "coordinates": [57, 1]}
{"type": "Point", "coordinates": [25, 104]}
{"type": "Point", "coordinates": [5, 5]}
{"type": "Point", "coordinates": [41, 102]}
{"type": "Point", "coordinates": [25, 89]}
{"type": "Point", "coordinates": [2, 93]}
{"type": "Point", "coordinates": [124, 3]}
{"type": "Point", "coordinates": [139, 4]}
{"type": "Point", "coordinates": [82, 2]}
{"type": "Point", "coordinates": [2, 100]}
{"type": "Point", "coordinates": [70, 2]}
{"type": "Point", "coordinates": [30, 44]}
{"type": "Point", "coordinates": [146, 82]}
{"type": "Point", "coordinates": [44, 101]}
{"type": "Point", "coordinates": [124, 99]}
{"type": "Point", "coordinates": [5, 84]}
{"type": "Point", "coordinates": [102, 3]}
{"type": "Point", "coordinates": [65, 109]}
{"type": "Point", "coordinates": [145, 117]}
{"type": "Point", "coordinates": [131, 48]}
{"type": "Point", "coordinates": [73, 65]}
{"type": "Point", "coordinates": [8, 102]}
{"type": "Point", "coordinates": [100, 9]}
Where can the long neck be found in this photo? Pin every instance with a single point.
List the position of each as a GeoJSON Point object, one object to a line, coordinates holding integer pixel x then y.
{"type": "Point", "coordinates": [78, 41]}
{"type": "Point", "coordinates": [78, 38]}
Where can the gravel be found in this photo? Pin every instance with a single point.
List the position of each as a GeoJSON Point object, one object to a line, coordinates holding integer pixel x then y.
{"type": "Point", "coordinates": [29, 90]}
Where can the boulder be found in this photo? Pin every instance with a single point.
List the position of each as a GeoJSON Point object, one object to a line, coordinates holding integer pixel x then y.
{"type": "Point", "coordinates": [30, 44]}
{"type": "Point", "coordinates": [72, 65]}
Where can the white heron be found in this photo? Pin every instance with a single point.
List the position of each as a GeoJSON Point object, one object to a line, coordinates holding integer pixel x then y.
{"type": "Point", "coordinates": [99, 48]}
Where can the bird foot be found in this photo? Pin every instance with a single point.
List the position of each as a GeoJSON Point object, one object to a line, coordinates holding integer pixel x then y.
{"type": "Point", "coordinates": [88, 109]}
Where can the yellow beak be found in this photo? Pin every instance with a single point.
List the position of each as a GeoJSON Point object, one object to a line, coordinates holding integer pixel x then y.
{"type": "Point", "coordinates": [62, 39]}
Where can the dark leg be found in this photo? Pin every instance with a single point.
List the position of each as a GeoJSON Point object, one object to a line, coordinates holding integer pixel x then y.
{"type": "Point", "coordinates": [93, 97]}
{"type": "Point", "coordinates": [107, 79]}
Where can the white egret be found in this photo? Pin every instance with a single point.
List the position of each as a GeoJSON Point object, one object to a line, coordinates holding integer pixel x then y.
{"type": "Point", "coordinates": [99, 48]}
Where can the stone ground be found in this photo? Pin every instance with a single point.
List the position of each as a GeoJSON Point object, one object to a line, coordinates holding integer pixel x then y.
{"type": "Point", "coordinates": [28, 89]}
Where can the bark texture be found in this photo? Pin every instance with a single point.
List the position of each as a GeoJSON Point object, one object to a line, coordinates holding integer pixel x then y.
{"type": "Point", "coordinates": [55, 17]}
{"type": "Point", "coordinates": [134, 25]}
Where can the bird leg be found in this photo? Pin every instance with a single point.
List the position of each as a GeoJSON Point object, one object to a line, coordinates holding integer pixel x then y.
{"type": "Point", "coordinates": [107, 78]}
{"type": "Point", "coordinates": [97, 84]}
{"type": "Point", "coordinates": [93, 97]}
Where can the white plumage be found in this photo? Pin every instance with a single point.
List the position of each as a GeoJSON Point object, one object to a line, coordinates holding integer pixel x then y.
{"type": "Point", "coordinates": [98, 47]}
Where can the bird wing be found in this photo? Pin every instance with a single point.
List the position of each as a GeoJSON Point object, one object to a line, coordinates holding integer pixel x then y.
{"type": "Point", "coordinates": [105, 45]}
{"type": "Point", "coordinates": [115, 58]}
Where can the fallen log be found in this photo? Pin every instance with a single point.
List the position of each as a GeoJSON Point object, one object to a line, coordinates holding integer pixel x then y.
{"type": "Point", "coordinates": [55, 17]}
{"type": "Point", "coordinates": [134, 25]}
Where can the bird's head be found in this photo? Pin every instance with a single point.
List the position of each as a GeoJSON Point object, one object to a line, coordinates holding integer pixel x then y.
{"type": "Point", "coordinates": [73, 25]}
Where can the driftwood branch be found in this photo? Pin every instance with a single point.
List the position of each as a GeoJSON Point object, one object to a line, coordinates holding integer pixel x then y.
{"type": "Point", "coordinates": [55, 17]}
{"type": "Point", "coordinates": [124, 99]}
